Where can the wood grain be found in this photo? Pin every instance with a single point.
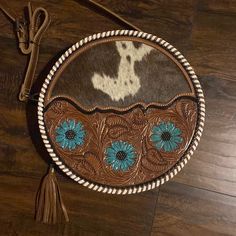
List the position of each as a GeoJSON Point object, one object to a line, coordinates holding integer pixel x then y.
{"type": "Point", "coordinates": [91, 213]}
{"type": "Point", "coordinates": [213, 164]}
{"type": "Point", "coordinates": [212, 50]}
{"type": "Point", "coordinates": [171, 20]}
{"type": "Point", "coordinates": [184, 210]}
{"type": "Point", "coordinates": [212, 54]}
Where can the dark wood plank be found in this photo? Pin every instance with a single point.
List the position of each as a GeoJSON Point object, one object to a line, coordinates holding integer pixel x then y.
{"type": "Point", "coordinates": [171, 20]}
{"type": "Point", "coordinates": [213, 164]}
{"type": "Point", "coordinates": [184, 210]}
{"type": "Point", "coordinates": [76, 22]}
{"type": "Point", "coordinates": [218, 7]}
{"type": "Point", "coordinates": [213, 46]}
{"type": "Point", "coordinates": [20, 154]}
{"type": "Point", "coordinates": [91, 213]}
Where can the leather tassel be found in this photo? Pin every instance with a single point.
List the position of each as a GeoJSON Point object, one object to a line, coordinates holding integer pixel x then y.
{"type": "Point", "coordinates": [49, 204]}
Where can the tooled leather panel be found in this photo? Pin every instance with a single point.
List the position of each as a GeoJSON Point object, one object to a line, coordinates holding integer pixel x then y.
{"type": "Point", "coordinates": [121, 73]}
{"type": "Point", "coordinates": [135, 127]}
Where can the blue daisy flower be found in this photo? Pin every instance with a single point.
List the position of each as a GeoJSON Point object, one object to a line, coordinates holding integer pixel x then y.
{"type": "Point", "coordinates": [120, 155]}
{"type": "Point", "coordinates": [166, 136]}
{"type": "Point", "coordinates": [70, 134]}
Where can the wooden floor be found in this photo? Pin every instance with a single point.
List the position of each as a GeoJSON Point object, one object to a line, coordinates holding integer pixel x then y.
{"type": "Point", "coordinates": [201, 200]}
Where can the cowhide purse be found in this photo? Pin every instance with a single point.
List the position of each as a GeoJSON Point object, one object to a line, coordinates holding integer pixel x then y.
{"type": "Point", "coordinates": [120, 112]}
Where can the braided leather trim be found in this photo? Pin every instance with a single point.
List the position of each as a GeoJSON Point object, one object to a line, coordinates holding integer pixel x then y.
{"type": "Point", "coordinates": [179, 165]}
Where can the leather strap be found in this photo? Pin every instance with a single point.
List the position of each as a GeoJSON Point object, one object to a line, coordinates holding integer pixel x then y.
{"type": "Point", "coordinates": [121, 19]}
{"type": "Point", "coordinates": [29, 35]}
{"type": "Point", "coordinates": [4, 7]}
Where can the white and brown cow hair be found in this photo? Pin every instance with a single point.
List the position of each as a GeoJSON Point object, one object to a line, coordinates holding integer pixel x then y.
{"type": "Point", "coordinates": [127, 82]}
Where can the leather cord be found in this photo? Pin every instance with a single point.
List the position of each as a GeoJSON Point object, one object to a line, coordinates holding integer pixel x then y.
{"type": "Point", "coordinates": [29, 35]}
{"type": "Point", "coordinates": [121, 19]}
{"type": "Point", "coordinates": [4, 7]}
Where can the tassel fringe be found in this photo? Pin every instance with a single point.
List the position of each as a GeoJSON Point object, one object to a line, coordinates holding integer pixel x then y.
{"type": "Point", "coordinates": [49, 204]}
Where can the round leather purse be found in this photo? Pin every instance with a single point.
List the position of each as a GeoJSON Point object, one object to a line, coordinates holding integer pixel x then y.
{"type": "Point", "coordinates": [120, 112]}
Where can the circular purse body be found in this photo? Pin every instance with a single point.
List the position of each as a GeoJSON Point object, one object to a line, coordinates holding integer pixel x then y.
{"type": "Point", "coordinates": [121, 112]}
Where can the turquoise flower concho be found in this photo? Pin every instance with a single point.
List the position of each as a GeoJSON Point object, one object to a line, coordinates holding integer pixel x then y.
{"type": "Point", "coordinates": [70, 134]}
{"type": "Point", "coordinates": [120, 155]}
{"type": "Point", "coordinates": [166, 136]}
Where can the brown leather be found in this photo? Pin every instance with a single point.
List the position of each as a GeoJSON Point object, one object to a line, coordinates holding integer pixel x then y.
{"type": "Point", "coordinates": [29, 35]}
{"type": "Point", "coordinates": [134, 127]}
{"type": "Point", "coordinates": [49, 203]}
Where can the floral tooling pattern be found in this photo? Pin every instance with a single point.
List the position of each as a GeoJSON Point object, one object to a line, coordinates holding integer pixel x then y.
{"type": "Point", "coordinates": [122, 149]}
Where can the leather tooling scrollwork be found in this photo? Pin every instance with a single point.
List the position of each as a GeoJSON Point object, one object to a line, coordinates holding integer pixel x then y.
{"type": "Point", "coordinates": [121, 149]}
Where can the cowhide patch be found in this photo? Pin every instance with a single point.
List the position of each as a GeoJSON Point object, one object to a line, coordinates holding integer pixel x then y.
{"type": "Point", "coordinates": [119, 74]}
